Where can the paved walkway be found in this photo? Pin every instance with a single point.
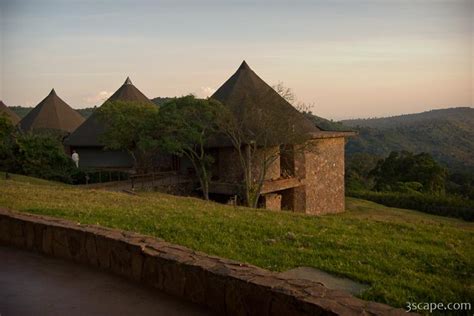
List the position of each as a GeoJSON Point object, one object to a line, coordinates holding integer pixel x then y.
{"type": "Point", "coordinates": [31, 284]}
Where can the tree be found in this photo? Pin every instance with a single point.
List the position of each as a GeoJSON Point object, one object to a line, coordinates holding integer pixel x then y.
{"type": "Point", "coordinates": [400, 170]}
{"type": "Point", "coordinates": [41, 155]}
{"type": "Point", "coordinates": [7, 141]}
{"type": "Point", "coordinates": [37, 154]}
{"type": "Point", "coordinates": [288, 94]}
{"type": "Point", "coordinates": [185, 126]}
{"type": "Point", "coordinates": [358, 168]}
{"type": "Point", "coordinates": [128, 128]}
{"type": "Point", "coordinates": [259, 137]}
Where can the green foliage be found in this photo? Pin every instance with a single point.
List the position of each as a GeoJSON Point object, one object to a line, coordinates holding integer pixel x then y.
{"type": "Point", "coordinates": [128, 127]}
{"type": "Point", "coordinates": [21, 111]}
{"type": "Point", "coordinates": [398, 169]}
{"type": "Point", "coordinates": [185, 126]}
{"type": "Point", "coordinates": [401, 255]}
{"type": "Point", "coordinates": [443, 205]}
{"type": "Point", "coordinates": [161, 100]}
{"type": "Point", "coordinates": [38, 155]}
{"type": "Point", "coordinates": [448, 135]}
{"type": "Point", "coordinates": [41, 156]}
{"type": "Point", "coordinates": [358, 168]}
{"type": "Point", "coordinates": [461, 184]}
{"type": "Point", "coordinates": [6, 127]}
{"type": "Point", "coordinates": [7, 142]}
{"type": "Point", "coordinates": [86, 112]}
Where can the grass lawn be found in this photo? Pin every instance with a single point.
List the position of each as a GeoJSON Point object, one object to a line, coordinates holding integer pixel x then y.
{"type": "Point", "coordinates": [402, 255]}
{"type": "Point", "coordinates": [31, 180]}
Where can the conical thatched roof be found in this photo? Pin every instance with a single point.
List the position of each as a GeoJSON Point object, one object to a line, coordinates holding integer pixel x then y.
{"type": "Point", "coordinates": [53, 114]}
{"type": "Point", "coordinates": [12, 115]}
{"type": "Point", "coordinates": [250, 98]}
{"type": "Point", "coordinates": [89, 132]}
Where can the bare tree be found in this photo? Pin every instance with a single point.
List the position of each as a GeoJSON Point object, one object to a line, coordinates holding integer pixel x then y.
{"type": "Point", "coordinates": [288, 94]}
{"type": "Point", "coordinates": [260, 137]}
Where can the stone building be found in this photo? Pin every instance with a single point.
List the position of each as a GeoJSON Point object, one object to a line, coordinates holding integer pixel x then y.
{"type": "Point", "coordinates": [303, 176]}
{"type": "Point", "coordinates": [86, 138]}
{"type": "Point", "coordinates": [52, 114]}
{"type": "Point", "coordinates": [307, 176]}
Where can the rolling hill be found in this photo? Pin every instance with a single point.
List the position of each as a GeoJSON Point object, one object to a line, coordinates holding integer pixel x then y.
{"type": "Point", "coordinates": [447, 134]}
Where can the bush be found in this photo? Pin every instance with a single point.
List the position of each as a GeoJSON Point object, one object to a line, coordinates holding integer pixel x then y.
{"type": "Point", "coordinates": [89, 176]}
{"type": "Point", "coordinates": [38, 155]}
{"type": "Point", "coordinates": [43, 156]}
{"type": "Point", "coordinates": [443, 205]}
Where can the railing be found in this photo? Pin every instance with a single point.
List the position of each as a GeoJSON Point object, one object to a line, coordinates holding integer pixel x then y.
{"type": "Point", "coordinates": [153, 179]}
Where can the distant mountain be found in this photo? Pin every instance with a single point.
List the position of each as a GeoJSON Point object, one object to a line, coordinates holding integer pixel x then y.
{"type": "Point", "coordinates": [21, 111]}
{"type": "Point", "coordinates": [453, 114]}
{"type": "Point", "coordinates": [325, 124]}
{"type": "Point", "coordinates": [161, 100]}
{"type": "Point", "coordinates": [86, 112]}
{"type": "Point", "coordinates": [447, 134]}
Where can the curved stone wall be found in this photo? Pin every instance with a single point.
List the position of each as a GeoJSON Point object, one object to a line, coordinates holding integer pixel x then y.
{"type": "Point", "coordinates": [226, 286]}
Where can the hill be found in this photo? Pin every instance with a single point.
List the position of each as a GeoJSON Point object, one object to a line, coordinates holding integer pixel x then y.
{"type": "Point", "coordinates": [461, 114]}
{"type": "Point", "coordinates": [325, 124]}
{"type": "Point", "coordinates": [160, 100]}
{"type": "Point", "coordinates": [429, 255]}
{"type": "Point", "coordinates": [446, 134]}
{"type": "Point", "coordinates": [21, 111]}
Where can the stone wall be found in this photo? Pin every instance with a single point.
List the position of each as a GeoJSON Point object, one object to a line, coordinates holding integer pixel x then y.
{"type": "Point", "coordinates": [323, 168]}
{"type": "Point", "coordinates": [228, 287]}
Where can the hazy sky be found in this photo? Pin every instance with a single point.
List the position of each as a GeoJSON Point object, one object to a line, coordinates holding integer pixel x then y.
{"type": "Point", "coordinates": [349, 58]}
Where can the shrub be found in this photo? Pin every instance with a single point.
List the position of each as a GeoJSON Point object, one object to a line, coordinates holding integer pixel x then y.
{"type": "Point", "coordinates": [443, 205]}
{"type": "Point", "coordinates": [38, 155]}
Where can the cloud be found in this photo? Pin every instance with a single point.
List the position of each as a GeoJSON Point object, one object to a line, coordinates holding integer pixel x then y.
{"type": "Point", "coordinates": [98, 98]}
{"type": "Point", "coordinates": [205, 92]}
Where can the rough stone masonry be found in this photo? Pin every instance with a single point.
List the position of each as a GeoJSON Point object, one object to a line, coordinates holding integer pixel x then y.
{"type": "Point", "coordinates": [226, 286]}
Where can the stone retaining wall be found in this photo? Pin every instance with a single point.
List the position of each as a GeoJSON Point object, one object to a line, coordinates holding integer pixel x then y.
{"type": "Point", "coordinates": [228, 287]}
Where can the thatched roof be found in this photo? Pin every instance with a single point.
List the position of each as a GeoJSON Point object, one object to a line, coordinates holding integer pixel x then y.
{"type": "Point", "coordinates": [251, 98]}
{"type": "Point", "coordinates": [128, 92]}
{"type": "Point", "coordinates": [9, 113]}
{"type": "Point", "coordinates": [88, 134]}
{"type": "Point", "coordinates": [53, 114]}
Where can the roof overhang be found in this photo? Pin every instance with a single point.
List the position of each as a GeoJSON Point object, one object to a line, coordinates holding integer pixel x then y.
{"type": "Point", "coordinates": [332, 134]}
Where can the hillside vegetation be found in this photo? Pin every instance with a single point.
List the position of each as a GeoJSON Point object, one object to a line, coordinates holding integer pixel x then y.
{"type": "Point", "coordinates": [402, 255]}
{"type": "Point", "coordinates": [446, 134]}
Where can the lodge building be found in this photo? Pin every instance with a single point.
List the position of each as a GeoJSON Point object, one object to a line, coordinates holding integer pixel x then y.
{"type": "Point", "coordinates": [305, 178]}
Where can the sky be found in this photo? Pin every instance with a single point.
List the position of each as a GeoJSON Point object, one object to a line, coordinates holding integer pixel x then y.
{"type": "Point", "coordinates": [342, 58]}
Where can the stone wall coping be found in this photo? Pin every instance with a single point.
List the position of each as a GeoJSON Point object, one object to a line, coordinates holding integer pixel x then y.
{"type": "Point", "coordinates": [226, 286]}
{"type": "Point", "coordinates": [333, 134]}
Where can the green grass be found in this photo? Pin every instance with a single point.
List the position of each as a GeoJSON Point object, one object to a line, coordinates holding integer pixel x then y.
{"type": "Point", "coordinates": [402, 255]}
{"type": "Point", "coordinates": [31, 180]}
